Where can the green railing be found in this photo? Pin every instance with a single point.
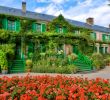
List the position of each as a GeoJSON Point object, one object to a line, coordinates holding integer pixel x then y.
{"type": "Point", "coordinates": [83, 62]}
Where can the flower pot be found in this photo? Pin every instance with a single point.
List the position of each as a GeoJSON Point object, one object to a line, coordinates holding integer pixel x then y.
{"type": "Point", "coordinates": [4, 71]}
{"type": "Point", "coordinates": [28, 70]}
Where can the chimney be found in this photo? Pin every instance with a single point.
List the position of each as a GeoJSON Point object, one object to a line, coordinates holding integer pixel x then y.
{"type": "Point", "coordinates": [24, 6]}
{"type": "Point", "coordinates": [109, 26]}
{"type": "Point", "coordinates": [90, 21]}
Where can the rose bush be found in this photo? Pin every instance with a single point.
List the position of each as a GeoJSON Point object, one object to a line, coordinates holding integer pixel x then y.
{"type": "Point", "coordinates": [53, 88]}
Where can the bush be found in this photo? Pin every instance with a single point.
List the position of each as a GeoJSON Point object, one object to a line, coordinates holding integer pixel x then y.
{"type": "Point", "coordinates": [29, 62]}
{"type": "Point", "coordinates": [107, 61]}
{"type": "Point", "coordinates": [54, 69]}
{"type": "Point", "coordinates": [98, 61]}
{"type": "Point", "coordinates": [29, 65]}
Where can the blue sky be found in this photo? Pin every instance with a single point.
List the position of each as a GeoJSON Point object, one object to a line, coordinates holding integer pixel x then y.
{"type": "Point", "coordinates": [73, 9]}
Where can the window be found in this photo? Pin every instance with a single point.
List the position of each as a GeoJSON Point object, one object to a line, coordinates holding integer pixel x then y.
{"type": "Point", "coordinates": [106, 48]}
{"type": "Point", "coordinates": [93, 36]}
{"type": "Point", "coordinates": [38, 27]}
{"type": "Point", "coordinates": [11, 25]}
{"type": "Point", "coordinates": [60, 30]}
{"type": "Point", "coordinates": [105, 37]}
{"type": "Point", "coordinates": [101, 49]}
{"type": "Point", "coordinates": [77, 32]}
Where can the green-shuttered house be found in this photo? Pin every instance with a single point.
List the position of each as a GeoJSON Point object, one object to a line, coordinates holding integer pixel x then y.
{"type": "Point", "coordinates": [23, 22]}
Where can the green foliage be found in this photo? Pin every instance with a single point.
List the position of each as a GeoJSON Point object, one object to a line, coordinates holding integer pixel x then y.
{"type": "Point", "coordinates": [60, 21]}
{"type": "Point", "coordinates": [54, 69]}
{"type": "Point", "coordinates": [98, 61]}
{"type": "Point", "coordinates": [8, 36]}
{"type": "Point", "coordinates": [29, 64]}
{"type": "Point", "coordinates": [7, 48]}
{"type": "Point", "coordinates": [3, 61]}
{"type": "Point", "coordinates": [72, 56]}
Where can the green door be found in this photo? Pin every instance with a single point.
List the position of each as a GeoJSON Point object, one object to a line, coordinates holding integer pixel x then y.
{"type": "Point", "coordinates": [30, 49]}
{"type": "Point", "coordinates": [18, 52]}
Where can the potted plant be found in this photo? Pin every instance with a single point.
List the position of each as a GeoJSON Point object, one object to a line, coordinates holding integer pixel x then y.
{"type": "Point", "coordinates": [28, 65]}
{"type": "Point", "coordinates": [4, 69]}
{"type": "Point", "coordinates": [3, 63]}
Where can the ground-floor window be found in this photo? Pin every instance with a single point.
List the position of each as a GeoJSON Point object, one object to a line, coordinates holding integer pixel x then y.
{"type": "Point", "coordinates": [75, 49]}
{"type": "Point", "coordinates": [101, 49]}
{"type": "Point", "coordinates": [106, 48]}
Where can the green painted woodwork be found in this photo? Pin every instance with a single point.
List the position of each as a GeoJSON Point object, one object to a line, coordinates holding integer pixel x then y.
{"type": "Point", "coordinates": [93, 36]}
{"type": "Point", "coordinates": [18, 52]}
{"type": "Point", "coordinates": [83, 63]}
{"type": "Point", "coordinates": [57, 29]}
{"type": "Point", "coordinates": [17, 23]}
{"type": "Point", "coordinates": [5, 23]}
{"type": "Point", "coordinates": [101, 49]}
{"type": "Point", "coordinates": [61, 29]}
{"type": "Point", "coordinates": [42, 47]}
{"type": "Point", "coordinates": [103, 37]}
{"type": "Point", "coordinates": [75, 49]}
{"type": "Point", "coordinates": [43, 27]}
{"type": "Point", "coordinates": [95, 49]}
{"type": "Point", "coordinates": [34, 27]}
{"type": "Point", "coordinates": [6, 27]}
{"type": "Point", "coordinates": [30, 48]}
{"type": "Point", "coordinates": [64, 30]}
{"type": "Point", "coordinates": [106, 49]}
{"type": "Point", "coordinates": [18, 66]}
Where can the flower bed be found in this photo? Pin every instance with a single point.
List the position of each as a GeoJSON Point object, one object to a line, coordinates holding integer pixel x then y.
{"type": "Point", "coordinates": [53, 88]}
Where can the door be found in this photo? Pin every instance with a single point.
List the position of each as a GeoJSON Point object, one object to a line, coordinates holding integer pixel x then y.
{"type": "Point", "coordinates": [18, 52]}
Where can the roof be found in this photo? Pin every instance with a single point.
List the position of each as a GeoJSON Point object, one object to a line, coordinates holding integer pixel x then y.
{"type": "Point", "coordinates": [39, 16]}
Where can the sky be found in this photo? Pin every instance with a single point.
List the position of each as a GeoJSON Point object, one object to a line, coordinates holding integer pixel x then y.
{"type": "Point", "coordinates": [78, 10]}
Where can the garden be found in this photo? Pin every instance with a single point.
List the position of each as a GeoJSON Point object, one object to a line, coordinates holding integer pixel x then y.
{"type": "Point", "coordinates": [53, 88]}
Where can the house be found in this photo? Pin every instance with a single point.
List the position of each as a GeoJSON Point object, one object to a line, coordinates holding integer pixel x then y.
{"type": "Point", "coordinates": [11, 19]}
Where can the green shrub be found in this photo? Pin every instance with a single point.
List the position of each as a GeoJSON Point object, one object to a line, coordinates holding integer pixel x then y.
{"type": "Point", "coordinates": [54, 69]}
{"type": "Point", "coordinates": [107, 61]}
{"type": "Point", "coordinates": [98, 60]}
{"type": "Point", "coordinates": [29, 62]}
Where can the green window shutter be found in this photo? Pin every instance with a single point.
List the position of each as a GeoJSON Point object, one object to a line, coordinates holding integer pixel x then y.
{"type": "Point", "coordinates": [93, 36]}
{"type": "Point", "coordinates": [64, 30]}
{"type": "Point", "coordinates": [104, 37]}
{"type": "Point", "coordinates": [17, 25]}
{"type": "Point", "coordinates": [57, 29]}
{"type": "Point", "coordinates": [34, 27]}
{"type": "Point", "coordinates": [109, 38]}
{"type": "Point", "coordinates": [5, 23]}
{"type": "Point", "coordinates": [43, 27]}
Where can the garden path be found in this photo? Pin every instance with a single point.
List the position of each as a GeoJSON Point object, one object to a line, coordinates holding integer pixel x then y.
{"type": "Point", "coordinates": [104, 73]}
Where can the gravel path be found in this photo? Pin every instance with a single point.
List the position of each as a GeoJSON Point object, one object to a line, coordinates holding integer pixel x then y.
{"type": "Point", "coordinates": [104, 73]}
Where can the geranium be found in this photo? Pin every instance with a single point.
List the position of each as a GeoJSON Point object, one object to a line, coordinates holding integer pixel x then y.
{"type": "Point", "coordinates": [53, 88]}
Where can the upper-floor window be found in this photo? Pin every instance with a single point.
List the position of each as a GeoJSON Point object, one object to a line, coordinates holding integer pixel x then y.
{"type": "Point", "coordinates": [11, 25]}
{"type": "Point", "coordinates": [39, 27]}
{"type": "Point", "coordinates": [105, 37]}
{"type": "Point", "coordinates": [93, 36]}
{"type": "Point", "coordinates": [77, 32]}
{"type": "Point", "coordinates": [60, 29]}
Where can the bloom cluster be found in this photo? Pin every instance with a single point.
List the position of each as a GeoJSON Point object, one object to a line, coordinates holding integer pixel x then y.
{"type": "Point", "coordinates": [53, 88]}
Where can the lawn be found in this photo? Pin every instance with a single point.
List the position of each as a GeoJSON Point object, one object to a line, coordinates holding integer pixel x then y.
{"type": "Point", "coordinates": [53, 88]}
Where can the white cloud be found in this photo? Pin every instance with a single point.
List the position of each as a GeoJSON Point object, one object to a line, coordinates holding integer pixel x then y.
{"type": "Point", "coordinates": [89, 8]}
{"type": "Point", "coordinates": [53, 1]}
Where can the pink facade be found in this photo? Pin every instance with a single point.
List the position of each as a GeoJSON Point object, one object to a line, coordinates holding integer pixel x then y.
{"type": "Point", "coordinates": [99, 36]}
